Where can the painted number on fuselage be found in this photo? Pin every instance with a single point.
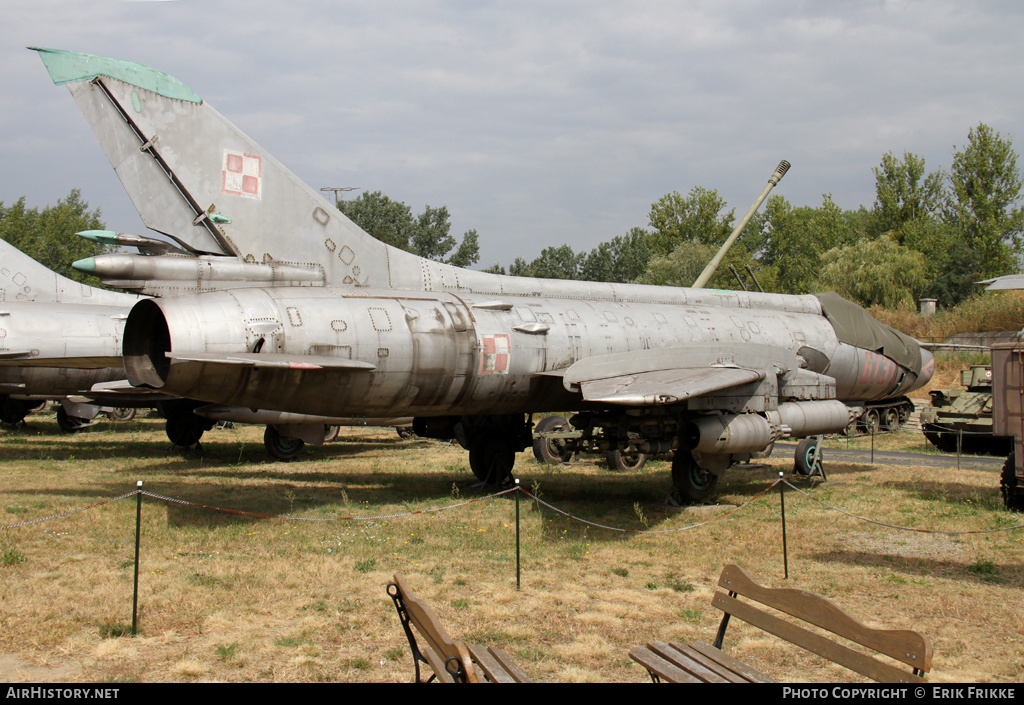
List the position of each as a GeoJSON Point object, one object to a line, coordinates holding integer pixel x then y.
{"type": "Point", "coordinates": [878, 370]}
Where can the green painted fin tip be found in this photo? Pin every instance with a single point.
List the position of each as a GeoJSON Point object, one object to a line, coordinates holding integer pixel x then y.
{"type": "Point", "coordinates": [69, 67]}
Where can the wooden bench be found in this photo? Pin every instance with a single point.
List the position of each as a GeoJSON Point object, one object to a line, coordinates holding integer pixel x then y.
{"type": "Point", "coordinates": [703, 663]}
{"type": "Point", "coordinates": [451, 661]}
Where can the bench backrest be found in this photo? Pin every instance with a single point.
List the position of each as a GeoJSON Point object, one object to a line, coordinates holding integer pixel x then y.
{"type": "Point", "coordinates": [454, 657]}
{"type": "Point", "coordinates": [908, 647]}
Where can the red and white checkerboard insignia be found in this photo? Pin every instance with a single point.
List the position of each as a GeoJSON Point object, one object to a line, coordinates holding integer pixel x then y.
{"type": "Point", "coordinates": [494, 354]}
{"type": "Point", "coordinates": [242, 175]}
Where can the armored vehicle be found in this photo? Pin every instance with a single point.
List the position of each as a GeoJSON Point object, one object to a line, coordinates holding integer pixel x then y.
{"type": "Point", "coordinates": [964, 413]}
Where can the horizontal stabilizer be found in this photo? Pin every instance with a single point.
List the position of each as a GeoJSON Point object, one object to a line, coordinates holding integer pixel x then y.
{"type": "Point", "coordinates": [275, 361]}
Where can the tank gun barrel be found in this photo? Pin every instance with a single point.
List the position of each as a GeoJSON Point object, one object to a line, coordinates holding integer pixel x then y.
{"type": "Point", "coordinates": [709, 271]}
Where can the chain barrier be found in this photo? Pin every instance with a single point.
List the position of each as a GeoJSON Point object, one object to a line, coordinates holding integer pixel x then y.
{"type": "Point", "coordinates": [895, 526]}
{"type": "Point", "coordinates": [71, 511]}
{"type": "Point", "coordinates": [378, 517]}
{"type": "Point", "coordinates": [650, 531]}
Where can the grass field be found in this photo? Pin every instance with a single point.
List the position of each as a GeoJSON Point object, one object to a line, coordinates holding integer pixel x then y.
{"type": "Point", "coordinates": [233, 597]}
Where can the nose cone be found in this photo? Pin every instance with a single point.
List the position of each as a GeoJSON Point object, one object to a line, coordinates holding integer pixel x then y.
{"type": "Point", "coordinates": [927, 370]}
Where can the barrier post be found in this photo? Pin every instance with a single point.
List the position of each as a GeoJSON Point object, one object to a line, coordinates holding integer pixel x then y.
{"type": "Point", "coordinates": [138, 533]}
{"type": "Point", "coordinates": [785, 548]}
{"type": "Point", "coordinates": [518, 568]}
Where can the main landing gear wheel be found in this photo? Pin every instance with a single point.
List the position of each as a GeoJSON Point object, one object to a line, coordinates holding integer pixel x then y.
{"type": "Point", "coordinates": [807, 459]}
{"type": "Point", "coordinates": [14, 411]}
{"type": "Point", "coordinates": [69, 424]}
{"type": "Point", "coordinates": [280, 447]}
{"type": "Point", "coordinates": [121, 414]}
{"type": "Point", "coordinates": [691, 483]}
{"type": "Point", "coordinates": [625, 461]}
{"type": "Point", "coordinates": [185, 430]}
{"type": "Point", "coordinates": [330, 433]}
{"type": "Point", "coordinates": [491, 459]}
{"type": "Point", "coordinates": [551, 450]}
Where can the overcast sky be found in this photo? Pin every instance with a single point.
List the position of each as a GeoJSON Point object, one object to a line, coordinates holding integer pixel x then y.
{"type": "Point", "coordinates": [537, 123]}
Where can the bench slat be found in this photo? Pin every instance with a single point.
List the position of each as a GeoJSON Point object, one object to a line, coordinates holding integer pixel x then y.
{"type": "Point", "coordinates": [733, 664]}
{"type": "Point", "coordinates": [854, 660]}
{"type": "Point", "coordinates": [684, 660]}
{"type": "Point", "coordinates": [906, 646]}
{"type": "Point", "coordinates": [518, 674]}
{"type": "Point", "coordinates": [493, 670]}
{"type": "Point", "coordinates": [659, 667]}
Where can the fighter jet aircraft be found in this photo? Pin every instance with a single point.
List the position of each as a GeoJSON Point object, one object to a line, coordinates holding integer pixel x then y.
{"type": "Point", "coordinates": [315, 316]}
{"type": "Point", "coordinates": [73, 331]}
{"type": "Point", "coordinates": [44, 316]}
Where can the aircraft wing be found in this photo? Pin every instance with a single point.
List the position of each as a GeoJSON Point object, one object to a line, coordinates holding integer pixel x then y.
{"type": "Point", "coordinates": [671, 375]}
{"type": "Point", "coordinates": [666, 386]}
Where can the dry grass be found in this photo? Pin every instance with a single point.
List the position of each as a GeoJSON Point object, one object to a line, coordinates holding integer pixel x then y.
{"type": "Point", "coordinates": [228, 597]}
{"type": "Point", "coordinates": [988, 311]}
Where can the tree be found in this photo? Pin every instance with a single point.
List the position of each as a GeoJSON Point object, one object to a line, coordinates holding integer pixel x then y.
{"type": "Point", "coordinates": [427, 235]}
{"type": "Point", "coordinates": [553, 263]}
{"type": "Point", "coordinates": [904, 195]}
{"type": "Point", "coordinates": [985, 188]}
{"type": "Point", "coordinates": [878, 271]}
{"type": "Point", "coordinates": [621, 259]}
{"type": "Point", "coordinates": [680, 267]}
{"type": "Point", "coordinates": [793, 240]}
{"type": "Point", "coordinates": [48, 236]}
{"type": "Point", "coordinates": [698, 217]}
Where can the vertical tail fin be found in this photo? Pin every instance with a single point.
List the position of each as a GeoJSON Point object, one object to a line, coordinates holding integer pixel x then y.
{"type": "Point", "coordinates": [196, 178]}
{"type": "Point", "coordinates": [24, 279]}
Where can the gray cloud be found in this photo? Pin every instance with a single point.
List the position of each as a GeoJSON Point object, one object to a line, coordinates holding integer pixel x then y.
{"type": "Point", "coordinates": [535, 123]}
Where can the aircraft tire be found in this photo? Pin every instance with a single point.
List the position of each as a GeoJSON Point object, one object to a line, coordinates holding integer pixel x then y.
{"type": "Point", "coordinates": [330, 433]}
{"type": "Point", "coordinates": [491, 459]}
{"type": "Point", "coordinates": [280, 447]}
{"type": "Point", "coordinates": [185, 430]}
{"type": "Point", "coordinates": [807, 459]}
{"type": "Point", "coordinates": [122, 414]}
{"type": "Point", "coordinates": [69, 424]}
{"type": "Point", "coordinates": [13, 411]}
{"type": "Point", "coordinates": [691, 483]}
{"type": "Point", "coordinates": [547, 450]}
{"type": "Point", "coordinates": [620, 461]}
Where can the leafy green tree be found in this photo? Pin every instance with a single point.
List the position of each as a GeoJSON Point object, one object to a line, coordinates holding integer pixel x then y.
{"type": "Point", "coordinates": [879, 271]}
{"type": "Point", "coordinates": [621, 259]}
{"type": "Point", "coordinates": [556, 263]}
{"type": "Point", "coordinates": [680, 267]}
{"type": "Point", "coordinates": [48, 235]}
{"type": "Point", "coordinates": [793, 240]}
{"type": "Point", "coordinates": [427, 235]}
{"type": "Point", "coordinates": [985, 190]}
{"type": "Point", "coordinates": [905, 196]}
{"type": "Point", "coordinates": [699, 217]}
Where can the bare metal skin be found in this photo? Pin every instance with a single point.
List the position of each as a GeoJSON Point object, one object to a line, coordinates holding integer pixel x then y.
{"type": "Point", "coordinates": [273, 300]}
